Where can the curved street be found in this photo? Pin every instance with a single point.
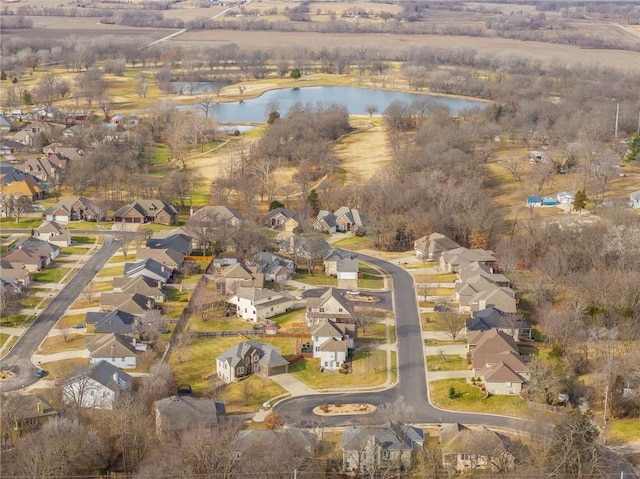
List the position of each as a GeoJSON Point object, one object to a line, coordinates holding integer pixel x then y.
{"type": "Point", "coordinates": [408, 399]}
{"type": "Point", "coordinates": [18, 360]}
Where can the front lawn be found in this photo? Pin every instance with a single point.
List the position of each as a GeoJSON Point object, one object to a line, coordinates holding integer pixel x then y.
{"type": "Point", "coordinates": [13, 320]}
{"type": "Point", "coordinates": [65, 368]}
{"type": "Point", "coordinates": [317, 279]}
{"type": "Point", "coordinates": [438, 342]}
{"type": "Point", "coordinates": [370, 277]}
{"type": "Point", "coordinates": [369, 369]}
{"type": "Point", "coordinates": [353, 242]}
{"type": "Point", "coordinates": [56, 344]}
{"type": "Point", "coordinates": [469, 398]}
{"type": "Point", "coordinates": [435, 278]}
{"type": "Point", "coordinates": [79, 250]}
{"type": "Point", "coordinates": [3, 338]}
{"type": "Point", "coordinates": [375, 332]}
{"type": "Point", "coordinates": [84, 239]}
{"type": "Point", "coordinates": [293, 316]}
{"type": "Point", "coordinates": [217, 323]}
{"type": "Point", "coordinates": [66, 322]}
{"type": "Point", "coordinates": [623, 430]}
{"type": "Point", "coordinates": [26, 223]}
{"type": "Point", "coordinates": [450, 362]}
{"type": "Point", "coordinates": [111, 271]}
{"type": "Point", "coordinates": [49, 275]}
{"type": "Point", "coordinates": [249, 394]}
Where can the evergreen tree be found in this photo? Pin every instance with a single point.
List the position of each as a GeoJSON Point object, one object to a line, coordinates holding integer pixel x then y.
{"type": "Point", "coordinates": [3, 76]}
{"type": "Point", "coordinates": [27, 98]}
{"type": "Point", "coordinates": [580, 200]}
{"type": "Point", "coordinates": [295, 74]}
{"type": "Point", "coordinates": [314, 201]}
{"type": "Point", "coordinates": [633, 152]}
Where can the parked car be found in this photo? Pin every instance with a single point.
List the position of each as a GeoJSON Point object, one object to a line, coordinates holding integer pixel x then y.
{"type": "Point", "coordinates": [79, 326]}
{"type": "Point", "coordinates": [40, 373]}
{"type": "Point", "coordinates": [353, 292]}
{"type": "Point", "coordinates": [441, 308]}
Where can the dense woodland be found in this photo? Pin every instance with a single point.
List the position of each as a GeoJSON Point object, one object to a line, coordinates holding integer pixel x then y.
{"type": "Point", "coordinates": [579, 285]}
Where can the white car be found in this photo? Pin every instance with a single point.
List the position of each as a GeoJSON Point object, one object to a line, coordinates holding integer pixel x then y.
{"type": "Point", "coordinates": [353, 292]}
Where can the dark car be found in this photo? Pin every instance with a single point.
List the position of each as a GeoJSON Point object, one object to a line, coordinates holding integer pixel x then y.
{"type": "Point", "coordinates": [40, 373]}
{"type": "Point", "coordinates": [441, 308]}
{"type": "Point", "coordinates": [79, 326]}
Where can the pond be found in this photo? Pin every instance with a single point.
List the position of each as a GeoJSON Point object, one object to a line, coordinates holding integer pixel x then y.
{"type": "Point", "coordinates": [253, 110]}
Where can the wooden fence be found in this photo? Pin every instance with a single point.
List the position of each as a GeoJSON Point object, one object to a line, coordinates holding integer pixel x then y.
{"type": "Point", "coordinates": [218, 334]}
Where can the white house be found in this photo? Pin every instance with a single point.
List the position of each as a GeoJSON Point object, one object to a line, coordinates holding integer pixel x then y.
{"type": "Point", "coordinates": [53, 233]}
{"type": "Point", "coordinates": [99, 387]}
{"type": "Point", "coordinates": [258, 304]}
{"type": "Point", "coordinates": [565, 198]}
{"type": "Point", "coordinates": [330, 305]}
{"type": "Point", "coordinates": [116, 349]}
{"type": "Point", "coordinates": [332, 341]}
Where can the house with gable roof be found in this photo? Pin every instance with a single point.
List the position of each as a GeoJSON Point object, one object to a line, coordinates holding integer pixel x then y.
{"type": "Point", "coordinates": [15, 182]}
{"type": "Point", "coordinates": [332, 341]}
{"type": "Point", "coordinates": [430, 247]}
{"type": "Point", "coordinates": [149, 268]}
{"type": "Point", "coordinates": [176, 414]}
{"type": "Point", "coordinates": [77, 208]}
{"type": "Point", "coordinates": [180, 242]}
{"type": "Point", "coordinates": [497, 361]}
{"type": "Point", "coordinates": [216, 216]}
{"type": "Point", "coordinates": [165, 256]}
{"type": "Point", "coordinates": [277, 217]}
{"type": "Point", "coordinates": [136, 303]}
{"type": "Point", "coordinates": [147, 287]}
{"type": "Point", "coordinates": [53, 233]}
{"type": "Point", "coordinates": [113, 322]}
{"type": "Point", "coordinates": [258, 304]}
{"type": "Point", "coordinates": [250, 357]}
{"type": "Point", "coordinates": [15, 272]}
{"type": "Point", "coordinates": [344, 219]}
{"type": "Point", "coordinates": [464, 448]}
{"type": "Point", "coordinates": [392, 446]}
{"type": "Point", "coordinates": [453, 260]}
{"type": "Point", "coordinates": [147, 211]}
{"type": "Point", "coordinates": [330, 305]}
{"type": "Point", "coordinates": [238, 275]}
{"type": "Point", "coordinates": [492, 318]}
{"type": "Point", "coordinates": [116, 349]}
{"type": "Point", "coordinates": [274, 268]}
{"type": "Point", "coordinates": [99, 387]}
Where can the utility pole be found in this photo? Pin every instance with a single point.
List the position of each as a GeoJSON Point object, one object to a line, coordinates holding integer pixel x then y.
{"type": "Point", "coordinates": [604, 414]}
{"type": "Point", "coordinates": [617, 114]}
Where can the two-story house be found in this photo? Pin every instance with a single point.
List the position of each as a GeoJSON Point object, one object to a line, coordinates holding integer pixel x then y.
{"type": "Point", "coordinates": [330, 305]}
{"type": "Point", "coordinates": [258, 304]}
{"type": "Point", "coordinates": [250, 357]}
{"type": "Point", "coordinates": [331, 342]}
{"type": "Point", "coordinates": [99, 387]}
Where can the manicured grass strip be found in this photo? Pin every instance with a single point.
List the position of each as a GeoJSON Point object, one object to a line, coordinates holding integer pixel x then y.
{"type": "Point", "coordinates": [470, 398]}
{"type": "Point", "coordinates": [13, 320]}
{"type": "Point", "coordinates": [49, 275]}
{"type": "Point", "coordinates": [450, 362]}
{"type": "Point", "coordinates": [83, 239]}
{"type": "Point", "coordinates": [435, 278]}
{"type": "Point", "coordinates": [56, 344]}
{"type": "Point", "coordinates": [74, 250]}
{"type": "Point", "coordinates": [316, 279]}
{"type": "Point", "coordinates": [66, 322]}
{"type": "Point", "coordinates": [369, 369]}
{"type": "Point", "coordinates": [294, 316]}
{"type": "Point", "coordinates": [249, 394]}
{"type": "Point", "coordinates": [354, 243]}
{"type": "Point", "coordinates": [65, 368]}
{"type": "Point", "coordinates": [3, 338]}
{"type": "Point", "coordinates": [111, 271]}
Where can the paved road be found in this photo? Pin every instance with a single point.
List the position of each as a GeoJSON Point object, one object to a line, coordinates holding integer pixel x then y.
{"type": "Point", "coordinates": [411, 389]}
{"type": "Point", "coordinates": [385, 298]}
{"type": "Point", "coordinates": [18, 359]}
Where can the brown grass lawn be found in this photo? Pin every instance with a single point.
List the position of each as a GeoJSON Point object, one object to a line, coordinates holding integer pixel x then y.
{"type": "Point", "coordinates": [69, 321]}
{"type": "Point", "coordinates": [218, 324]}
{"type": "Point", "coordinates": [363, 153]}
{"type": "Point", "coordinates": [249, 394]}
{"type": "Point", "coordinates": [83, 302]}
{"type": "Point", "coordinates": [56, 344]}
{"type": "Point", "coordinates": [64, 368]}
{"type": "Point", "coordinates": [435, 278]}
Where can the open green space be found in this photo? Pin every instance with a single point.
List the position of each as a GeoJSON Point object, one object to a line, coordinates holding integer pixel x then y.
{"type": "Point", "coordinates": [448, 362]}
{"type": "Point", "coordinates": [622, 431]}
{"type": "Point", "coordinates": [26, 223]}
{"type": "Point", "coordinates": [315, 279]}
{"type": "Point", "coordinates": [217, 323]}
{"type": "Point", "coordinates": [370, 277]}
{"type": "Point", "coordinates": [369, 368]}
{"type": "Point", "coordinates": [354, 243]}
{"type": "Point", "coordinates": [249, 394]}
{"type": "Point", "coordinates": [293, 316]}
{"type": "Point", "coordinates": [435, 278]}
{"type": "Point", "coordinates": [49, 275]}
{"type": "Point", "coordinates": [66, 322]}
{"type": "Point", "coordinates": [111, 271]}
{"type": "Point", "coordinates": [375, 332]}
{"type": "Point", "coordinates": [470, 398]}
{"type": "Point", "coordinates": [13, 320]}
{"type": "Point", "coordinates": [83, 239]}
{"type": "Point", "coordinates": [73, 250]}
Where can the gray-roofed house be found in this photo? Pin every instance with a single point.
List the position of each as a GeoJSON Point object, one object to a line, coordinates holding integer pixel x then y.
{"type": "Point", "coordinates": [344, 219]}
{"type": "Point", "coordinates": [113, 322]}
{"type": "Point", "coordinates": [142, 285]}
{"type": "Point", "coordinates": [474, 268]}
{"type": "Point", "coordinates": [116, 349]}
{"type": "Point", "coordinates": [274, 268]}
{"type": "Point", "coordinates": [147, 211]}
{"type": "Point", "coordinates": [53, 233]}
{"type": "Point", "coordinates": [5, 123]}
{"type": "Point", "coordinates": [32, 260]}
{"type": "Point", "coordinates": [453, 260]}
{"type": "Point", "coordinates": [15, 273]}
{"type": "Point", "coordinates": [180, 242]}
{"type": "Point", "coordinates": [250, 357]}
{"type": "Point", "coordinates": [165, 256]}
{"type": "Point", "coordinates": [330, 305]}
{"type": "Point", "coordinates": [502, 298]}
{"type": "Point", "coordinates": [491, 317]}
{"type": "Point", "coordinates": [76, 208]}
{"type": "Point", "coordinates": [331, 259]}
{"type": "Point", "coordinates": [35, 244]}
{"type": "Point", "coordinates": [464, 449]}
{"type": "Point", "coordinates": [98, 387]}
{"type": "Point", "coordinates": [331, 342]}
{"type": "Point", "coordinates": [277, 217]}
{"type": "Point", "coordinates": [149, 268]}
{"type": "Point", "coordinates": [136, 303]}
{"type": "Point", "coordinates": [372, 449]}
{"type": "Point", "coordinates": [258, 304]}
{"type": "Point", "coordinates": [430, 247]}
{"type": "Point", "coordinates": [176, 414]}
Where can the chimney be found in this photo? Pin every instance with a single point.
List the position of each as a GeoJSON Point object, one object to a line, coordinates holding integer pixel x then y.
{"type": "Point", "coordinates": [40, 407]}
{"type": "Point", "coordinates": [159, 284]}
{"type": "Point", "coordinates": [149, 303]}
{"type": "Point", "coordinates": [482, 304]}
{"type": "Point", "coordinates": [116, 378]}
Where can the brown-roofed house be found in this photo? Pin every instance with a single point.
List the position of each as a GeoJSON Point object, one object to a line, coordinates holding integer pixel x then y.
{"type": "Point", "coordinates": [147, 211]}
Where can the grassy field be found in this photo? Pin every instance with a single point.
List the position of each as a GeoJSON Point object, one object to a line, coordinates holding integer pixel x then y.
{"type": "Point", "coordinates": [65, 367]}
{"type": "Point", "coordinates": [354, 242]}
{"type": "Point", "coordinates": [470, 398]}
{"type": "Point", "coordinates": [435, 278]}
{"type": "Point", "coordinates": [83, 240]}
{"type": "Point", "coordinates": [57, 344]}
{"type": "Point", "coordinates": [4, 338]}
{"type": "Point", "coordinates": [317, 279]}
{"type": "Point", "coordinates": [294, 316]}
{"type": "Point", "coordinates": [450, 362]}
{"type": "Point", "coordinates": [74, 250]}
{"type": "Point", "coordinates": [369, 369]}
{"type": "Point", "coordinates": [217, 323]}
{"type": "Point", "coordinates": [68, 321]}
{"type": "Point", "coordinates": [620, 431]}
{"type": "Point", "coordinates": [376, 333]}
{"type": "Point", "coordinates": [13, 320]}
{"type": "Point", "coordinates": [249, 394]}
{"type": "Point", "coordinates": [371, 277]}
{"type": "Point", "coordinates": [111, 271]}
{"type": "Point", "coordinates": [49, 275]}
{"type": "Point", "coordinates": [26, 223]}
